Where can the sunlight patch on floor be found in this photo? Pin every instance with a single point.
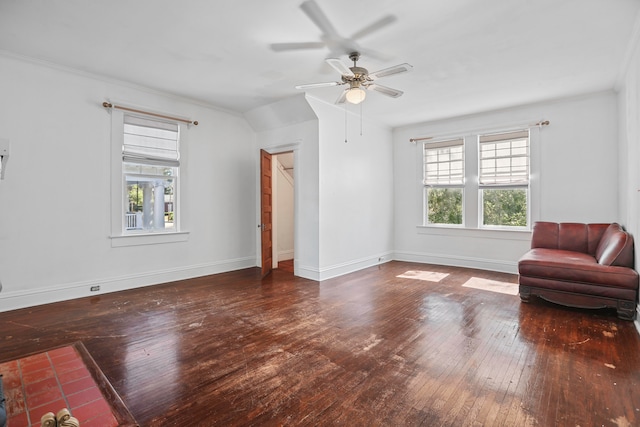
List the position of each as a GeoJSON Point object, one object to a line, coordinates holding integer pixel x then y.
{"type": "Point", "coordinates": [430, 276]}
{"type": "Point", "coordinates": [492, 285]}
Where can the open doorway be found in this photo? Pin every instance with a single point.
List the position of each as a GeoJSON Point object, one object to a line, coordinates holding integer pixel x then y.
{"type": "Point", "coordinates": [277, 207]}
{"type": "Point", "coordinates": [283, 186]}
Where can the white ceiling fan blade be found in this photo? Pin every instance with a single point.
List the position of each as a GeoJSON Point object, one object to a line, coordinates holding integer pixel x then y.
{"type": "Point", "coordinates": [340, 67]}
{"type": "Point", "coordinates": [278, 47]}
{"type": "Point", "coordinates": [313, 11]}
{"type": "Point", "coordinates": [380, 23]}
{"type": "Point", "coordinates": [396, 69]}
{"type": "Point", "coordinates": [317, 85]}
{"type": "Point", "coordinates": [393, 93]}
{"type": "Point", "coordinates": [343, 97]}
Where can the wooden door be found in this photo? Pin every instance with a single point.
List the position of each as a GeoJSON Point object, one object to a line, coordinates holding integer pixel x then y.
{"type": "Point", "coordinates": [265, 212]}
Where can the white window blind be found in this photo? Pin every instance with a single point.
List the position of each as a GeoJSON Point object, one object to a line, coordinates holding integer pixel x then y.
{"type": "Point", "coordinates": [444, 163]}
{"type": "Point", "coordinates": [151, 142]}
{"type": "Point", "coordinates": [504, 159]}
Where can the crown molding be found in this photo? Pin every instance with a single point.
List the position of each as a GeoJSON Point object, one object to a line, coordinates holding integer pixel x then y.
{"type": "Point", "coordinates": [111, 80]}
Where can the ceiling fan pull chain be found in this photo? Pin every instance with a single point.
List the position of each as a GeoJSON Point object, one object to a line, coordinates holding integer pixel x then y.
{"type": "Point", "coordinates": [361, 119]}
{"type": "Point", "coordinates": [345, 123]}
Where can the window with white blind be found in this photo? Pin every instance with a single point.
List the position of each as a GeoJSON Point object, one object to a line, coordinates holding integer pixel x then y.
{"type": "Point", "coordinates": [482, 181]}
{"type": "Point", "coordinates": [150, 141]}
{"type": "Point", "coordinates": [444, 182]}
{"type": "Point", "coordinates": [150, 169]}
{"type": "Point", "coordinates": [503, 179]}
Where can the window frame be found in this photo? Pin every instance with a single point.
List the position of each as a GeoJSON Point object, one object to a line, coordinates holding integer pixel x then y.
{"type": "Point", "coordinates": [118, 198]}
{"type": "Point", "coordinates": [445, 178]}
{"type": "Point", "coordinates": [513, 183]}
{"type": "Point", "coordinates": [472, 203]}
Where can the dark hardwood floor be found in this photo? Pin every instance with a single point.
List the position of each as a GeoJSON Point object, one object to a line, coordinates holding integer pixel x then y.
{"type": "Point", "coordinates": [366, 349]}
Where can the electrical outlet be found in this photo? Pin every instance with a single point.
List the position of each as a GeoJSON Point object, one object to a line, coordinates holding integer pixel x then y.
{"type": "Point", "coordinates": [95, 288]}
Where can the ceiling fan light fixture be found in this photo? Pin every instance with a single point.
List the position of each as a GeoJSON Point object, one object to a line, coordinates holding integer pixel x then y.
{"type": "Point", "coordinates": [356, 95]}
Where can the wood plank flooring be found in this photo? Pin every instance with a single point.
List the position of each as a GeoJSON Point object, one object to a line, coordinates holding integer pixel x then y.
{"type": "Point", "coordinates": [366, 349]}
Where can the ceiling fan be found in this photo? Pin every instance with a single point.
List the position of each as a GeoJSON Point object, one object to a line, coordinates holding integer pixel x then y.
{"type": "Point", "coordinates": [358, 79]}
{"type": "Point", "coordinates": [330, 38]}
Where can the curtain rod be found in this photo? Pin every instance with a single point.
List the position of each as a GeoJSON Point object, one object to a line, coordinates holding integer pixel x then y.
{"type": "Point", "coordinates": [425, 138]}
{"type": "Point", "coordinates": [148, 113]}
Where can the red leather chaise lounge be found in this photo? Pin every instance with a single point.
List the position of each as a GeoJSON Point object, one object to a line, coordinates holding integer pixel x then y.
{"type": "Point", "coordinates": [581, 265]}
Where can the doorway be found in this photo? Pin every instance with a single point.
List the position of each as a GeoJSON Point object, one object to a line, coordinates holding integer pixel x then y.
{"type": "Point", "coordinates": [277, 210]}
{"type": "Point", "coordinates": [283, 210]}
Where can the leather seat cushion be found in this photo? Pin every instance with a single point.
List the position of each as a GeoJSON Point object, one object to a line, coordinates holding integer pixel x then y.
{"type": "Point", "coordinates": [562, 265]}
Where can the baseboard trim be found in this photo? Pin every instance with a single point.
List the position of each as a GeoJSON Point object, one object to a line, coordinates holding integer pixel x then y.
{"type": "Point", "coordinates": [63, 292]}
{"type": "Point", "coordinates": [285, 255]}
{"type": "Point", "coordinates": [458, 261]}
{"type": "Point", "coordinates": [353, 266]}
{"type": "Point", "coordinates": [306, 272]}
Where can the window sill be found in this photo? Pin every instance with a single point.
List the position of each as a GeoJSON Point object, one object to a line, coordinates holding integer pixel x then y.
{"type": "Point", "coordinates": [148, 239]}
{"type": "Point", "coordinates": [479, 233]}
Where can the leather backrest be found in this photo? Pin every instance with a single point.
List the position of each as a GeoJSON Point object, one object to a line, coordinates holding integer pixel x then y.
{"type": "Point", "coordinates": [573, 237]}
{"type": "Point", "coordinates": [595, 235]}
{"type": "Point", "coordinates": [615, 247]}
{"type": "Point", "coordinates": [585, 238]}
{"type": "Point", "coordinates": [567, 236]}
{"type": "Point", "coordinates": [545, 235]}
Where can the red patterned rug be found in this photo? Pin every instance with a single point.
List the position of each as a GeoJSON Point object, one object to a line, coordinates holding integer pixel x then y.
{"type": "Point", "coordinates": [64, 377]}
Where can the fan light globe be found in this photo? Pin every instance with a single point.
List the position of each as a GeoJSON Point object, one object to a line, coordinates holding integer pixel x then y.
{"type": "Point", "coordinates": [355, 95]}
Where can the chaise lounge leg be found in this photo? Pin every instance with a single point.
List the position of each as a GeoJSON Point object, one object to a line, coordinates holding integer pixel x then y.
{"type": "Point", "coordinates": [525, 293]}
{"type": "Point", "coordinates": [626, 310]}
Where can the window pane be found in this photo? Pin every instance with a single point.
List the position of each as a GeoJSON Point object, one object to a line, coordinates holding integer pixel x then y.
{"type": "Point", "coordinates": [504, 207]}
{"type": "Point", "coordinates": [444, 163]}
{"type": "Point", "coordinates": [444, 206]}
{"type": "Point", "coordinates": [504, 158]}
{"type": "Point", "coordinates": [150, 201]}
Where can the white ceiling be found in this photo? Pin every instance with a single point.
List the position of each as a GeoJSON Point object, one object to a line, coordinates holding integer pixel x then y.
{"type": "Point", "coordinates": [468, 55]}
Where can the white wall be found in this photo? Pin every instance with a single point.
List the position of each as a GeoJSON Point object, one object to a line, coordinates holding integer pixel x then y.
{"type": "Point", "coordinates": [356, 191]}
{"type": "Point", "coordinates": [629, 130]}
{"type": "Point", "coordinates": [577, 159]}
{"type": "Point", "coordinates": [628, 86]}
{"type": "Point", "coordinates": [55, 198]}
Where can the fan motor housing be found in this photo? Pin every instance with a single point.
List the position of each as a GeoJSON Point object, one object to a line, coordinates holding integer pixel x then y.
{"type": "Point", "coordinates": [359, 71]}
{"type": "Point", "coordinates": [360, 75]}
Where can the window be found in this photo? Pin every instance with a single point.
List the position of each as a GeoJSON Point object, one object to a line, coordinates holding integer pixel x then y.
{"type": "Point", "coordinates": [503, 179]}
{"type": "Point", "coordinates": [481, 181]}
{"type": "Point", "coordinates": [150, 171]}
{"type": "Point", "coordinates": [444, 182]}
